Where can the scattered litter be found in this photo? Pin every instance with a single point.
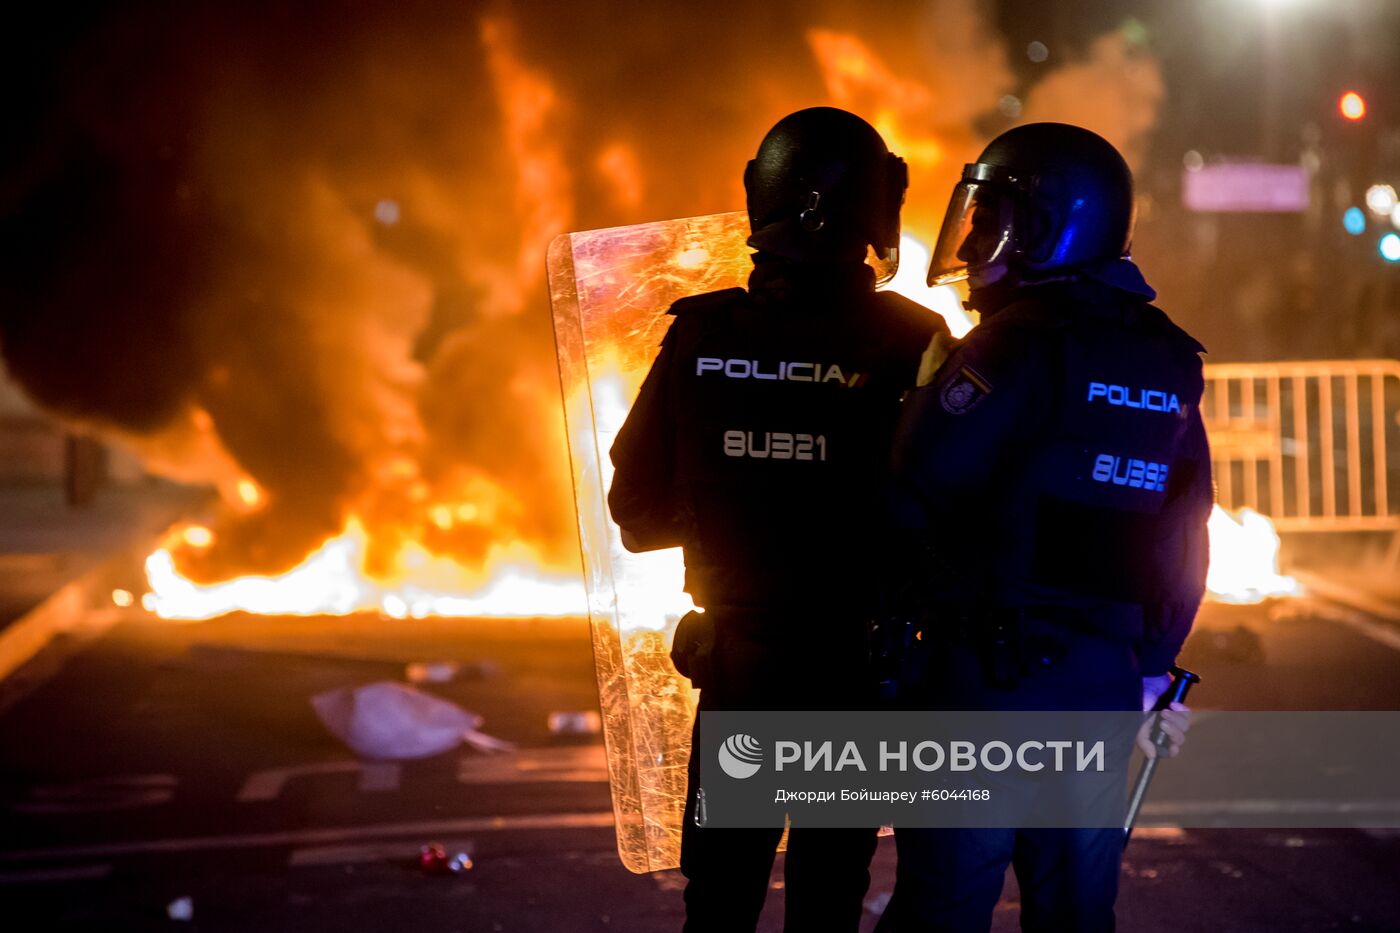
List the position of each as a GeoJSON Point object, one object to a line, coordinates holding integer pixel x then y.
{"type": "Point", "coordinates": [434, 860]}
{"type": "Point", "coordinates": [876, 903]}
{"type": "Point", "coordinates": [182, 908]}
{"type": "Point", "coordinates": [440, 672]}
{"type": "Point", "coordinates": [431, 672]}
{"type": "Point", "coordinates": [391, 721]}
{"type": "Point", "coordinates": [487, 743]}
{"type": "Point", "coordinates": [582, 722]}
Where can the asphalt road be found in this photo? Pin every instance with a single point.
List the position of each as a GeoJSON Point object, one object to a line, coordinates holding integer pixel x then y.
{"type": "Point", "coordinates": [162, 762]}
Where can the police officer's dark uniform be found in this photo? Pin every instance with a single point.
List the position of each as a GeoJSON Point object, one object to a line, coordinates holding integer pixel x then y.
{"type": "Point", "coordinates": [1059, 466]}
{"type": "Point", "coordinates": [759, 442]}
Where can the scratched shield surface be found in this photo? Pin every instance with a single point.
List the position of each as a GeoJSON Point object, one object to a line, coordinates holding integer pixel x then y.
{"type": "Point", "coordinates": [609, 290]}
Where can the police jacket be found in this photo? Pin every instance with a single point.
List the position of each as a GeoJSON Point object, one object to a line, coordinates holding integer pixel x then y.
{"type": "Point", "coordinates": [1059, 462]}
{"type": "Point", "coordinates": [760, 439]}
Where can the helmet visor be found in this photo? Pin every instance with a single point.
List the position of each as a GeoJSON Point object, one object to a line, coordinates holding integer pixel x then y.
{"type": "Point", "coordinates": [977, 231]}
{"type": "Point", "coordinates": [885, 262]}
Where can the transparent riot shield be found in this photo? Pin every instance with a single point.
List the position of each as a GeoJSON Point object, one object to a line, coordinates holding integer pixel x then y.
{"type": "Point", "coordinates": [609, 290]}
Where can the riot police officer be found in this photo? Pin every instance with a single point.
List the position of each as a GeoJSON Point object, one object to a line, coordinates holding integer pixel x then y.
{"type": "Point", "coordinates": [759, 443]}
{"type": "Point", "coordinates": [1058, 465]}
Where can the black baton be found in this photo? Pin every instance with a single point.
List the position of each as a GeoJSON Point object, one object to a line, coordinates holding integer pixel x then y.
{"type": "Point", "coordinates": [1182, 681]}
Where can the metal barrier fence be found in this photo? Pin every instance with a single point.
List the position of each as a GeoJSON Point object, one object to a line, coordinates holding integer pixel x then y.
{"type": "Point", "coordinates": [1313, 445]}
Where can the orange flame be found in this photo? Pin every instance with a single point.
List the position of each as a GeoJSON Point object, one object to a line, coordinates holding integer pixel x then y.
{"type": "Point", "coordinates": [857, 78]}
{"type": "Point", "coordinates": [911, 282]}
{"type": "Point", "coordinates": [249, 493]}
{"type": "Point", "coordinates": [334, 580]}
{"type": "Point", "coordinates": [529, 108]}
{"type": "Point", "coordinates": [1244, 559]}
{"type": "Point", "coordinates": [618, 166]}
{"type": "Point", "coordinates": [926, 119]}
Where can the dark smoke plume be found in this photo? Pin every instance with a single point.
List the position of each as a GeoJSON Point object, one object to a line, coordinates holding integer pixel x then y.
{"type": "Point", "coordinates": [305, 244]}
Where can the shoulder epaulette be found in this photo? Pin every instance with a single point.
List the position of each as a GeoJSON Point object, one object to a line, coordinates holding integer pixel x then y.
{"type": "Point", "coordinates": [708, 300]}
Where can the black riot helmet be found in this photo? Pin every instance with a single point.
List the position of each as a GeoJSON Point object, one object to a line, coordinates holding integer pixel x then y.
{"type": "Point", "coordinates": [1042, 198]}
{"type": "Point", "coordinates": [824, 186]}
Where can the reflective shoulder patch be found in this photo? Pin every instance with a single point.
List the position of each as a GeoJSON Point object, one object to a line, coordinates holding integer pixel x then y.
{"type": "Point", "coordinates": [964, 391]}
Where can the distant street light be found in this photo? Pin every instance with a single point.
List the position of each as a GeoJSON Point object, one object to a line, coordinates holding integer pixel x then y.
{"type": "Point", "coordinates": [1380, 199]}
{"type": "Point", "coordinates": [1354, 221]}
{"type": "Point", "coordinates": [1390, 247]}
{"type": "Point", "coordinates": [1352, 105]}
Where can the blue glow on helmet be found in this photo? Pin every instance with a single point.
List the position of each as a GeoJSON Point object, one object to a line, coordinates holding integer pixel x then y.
{"type": "Point", "coordinates": [1064, 248]}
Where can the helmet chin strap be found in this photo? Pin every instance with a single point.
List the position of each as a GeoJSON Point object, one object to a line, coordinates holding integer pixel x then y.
{"type": "Point", "coordinates": [991, 286]}
{"type": "Point", "coordinates": [986, 274]}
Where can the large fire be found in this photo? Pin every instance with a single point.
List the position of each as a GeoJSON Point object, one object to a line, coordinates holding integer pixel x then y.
{"type": "Point", "coordinates": [331, 289]}
{"type": "Point", "coordinates": [396, 555]}
{"type": "Point", "coordinates": [418, 583]}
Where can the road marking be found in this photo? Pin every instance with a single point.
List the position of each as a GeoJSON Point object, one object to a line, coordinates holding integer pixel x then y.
{"type": "Point", "coordinates": [100, 795]}
{"type": "Point", "coordinates": [571, 763]}
{"type": "Point", "coordinates": [1354, 609]}
{"type": "Point", "coordinates": [378, 852]}
{"type": "Point", "coordinates": [1376, 631]}
{"type": "Point", "coordinates": [427, 829]}
{"type": "Point", "coordinates": [40, 875]}
{"type": "Point", "coordinates": [375, 777]}
{"type": "Point", "coordinates": [1350, 595]}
